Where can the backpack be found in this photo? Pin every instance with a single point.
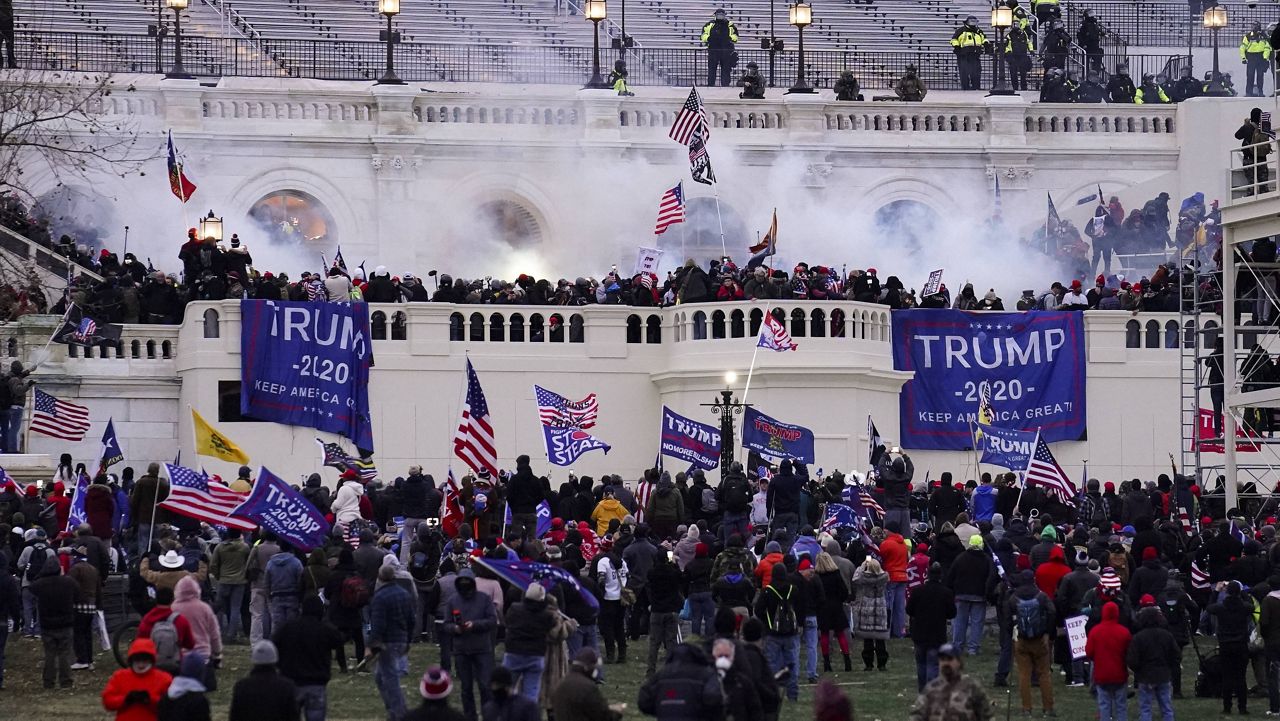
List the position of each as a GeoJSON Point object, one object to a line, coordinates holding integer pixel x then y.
{"type": "Point", "coordinates": [353, 593]}
{"type": "Point", "coordinates": [1030, 618]}
{"type": "Point", "coordinates": [419, 567]}
{"type": "Point", "coordinates": [737, 497]}
{"type": "Point", "coordinates": [709, 502]}
{"type": "Point", "coordinates": [1098, 511]}
{"type": "Point", "coordinates": [164, 634]}
{"type": "Point", "coordinates": [1209, 677]}
{"type": "Point", "coordinates": [783, 623]}
{"type": "Point", "coordinates": [35, 563]}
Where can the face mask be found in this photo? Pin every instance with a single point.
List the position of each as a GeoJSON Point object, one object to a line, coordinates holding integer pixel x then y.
{"type": "Point", "coordinates": [724, 663]}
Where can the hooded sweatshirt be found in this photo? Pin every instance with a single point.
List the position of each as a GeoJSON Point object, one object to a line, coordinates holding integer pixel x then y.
{"type": "Point", "coordinates": [605, 511]}
{"type": "Point", "coordinates": [284, 576]}
{"type": "Point", "coordinates": [1051, 572]}
{"type": "Point", "coordinates": [1107, 646]}
{"type": "Point", "coordinates": [204, 624]}
{"type": "Point", "coordinates": [983, 503]}
{"type": "Point", "coordinates": [123, 682]}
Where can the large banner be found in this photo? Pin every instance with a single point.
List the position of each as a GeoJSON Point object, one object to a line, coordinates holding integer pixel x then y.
{"type": "Point", "coordinates": [775, 439]}
{"type": "Point", "coordinates": [1032, 363]}
{"type": "Point", "coordinates": [688, 440]}
{"type": "Point", "coordinates": [307, 364]}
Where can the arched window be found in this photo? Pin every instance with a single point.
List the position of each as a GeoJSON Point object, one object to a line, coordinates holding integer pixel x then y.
{"type": "Point", "coordinates": [517, 328]}
{"type": "Point", "coordinates": [737, 324]}
{"type": "Point", "coordinates": [1211, 333]}
{"type": "Point", "coordinates": [797, 323]}
{"type": "Point", "coordinates": [497, 328]}
{"type": "Point", "coordinates": [211, 323]}
{"type": "Point", "coordinates": [292, 218]}
{"type": "Point", "coordinates": [11, 348]}
{"type": "Point", "coordinates": [1153, 334]}
{"type": "Point", "coordinates": [1171, 334]}
{"type": "Point", "coordinates": [135, 349]}
{"type": "Point", "coordinates": [577, 329]}
{"type": "Point", "coordinates": [509, 222]}
{"type": "Point", "coordinates": [633, 329]}
{"type": "Point", "coordinates": [557, 328]}
{"type": "Point", "coordinates": [378, 325]}
{"type": "Point", "coordinates": [476, 333]}
{"type": "Point", "coordinates": [151, 350]}
{"type": "Point", "coordinates": [817, 324]}
{"type": "Point", "coordinates": [717, 324]}
{"type": "Point", "coordinates": [653, 330]}
{"type": "Point", "coordinates": [1189, 334]}
{"type": "Point", "coordinates": [1133, 334]}
{"type": "Point", "coordinates": [166, 349]}
{"type": "Point", "coordinates": [537, 334]}
{"type": "Point", "coordinates": [837, 323]}
{"type": "Point", "coordinates": [699, 325]}
{"type": "Point", "coordinates": [457, 330]}
{"type": "Point", "coordinates": [400, 325]}
{"type": "Point", "coordinates": [757, 317]}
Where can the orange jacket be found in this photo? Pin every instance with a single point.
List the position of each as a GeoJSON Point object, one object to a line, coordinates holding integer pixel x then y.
{"type": "Point", "coordinates": [764, 569]}
{"type": "Point", "coordinates": [894, 552]}
{"type": "Point", "coordinates": [154, 682]}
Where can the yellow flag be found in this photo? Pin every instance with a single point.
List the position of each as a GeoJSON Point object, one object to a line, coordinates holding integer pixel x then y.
{"type": "Point", "coordinates": [209, 442]}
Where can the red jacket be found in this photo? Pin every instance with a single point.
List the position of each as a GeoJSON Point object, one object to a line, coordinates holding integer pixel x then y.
{"type": "Point", "coordinates": [186, 639]}
{"type": "Point", "coordinates": [1050, 573]}
{"type": "Point", "coordinates": [894, 552]}
{"type": "Point", "coordinates": [154, 682]}
{"type": "Point", "coordinates": [764, 569]}
{"type": "Point", "coordinates": [1107, 645]}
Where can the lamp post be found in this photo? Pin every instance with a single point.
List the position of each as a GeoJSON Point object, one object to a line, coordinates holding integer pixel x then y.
{"type": "Point", "coordinates": [726, 407]}
{"type": "Point", "coordinates": [1001, 20]}
{"type": "Point", "coordinates": [772, 43]}
{"type": "Point", "coordinates": [1215, 18]}
{"type": "Point", "coordinates": [596, 12]}
{"type": "Point", "coordinates": [211, 227]}
{"type": "Point", "coordinates": [177, 72]}
{"type": "Point", "coordinates": [800, 15]}
{"type": "Point", "coordinates": [390, 8]}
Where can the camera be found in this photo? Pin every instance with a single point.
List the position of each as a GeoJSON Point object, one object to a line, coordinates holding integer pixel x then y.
{"type": "Point", "coordinates": [433, 523]}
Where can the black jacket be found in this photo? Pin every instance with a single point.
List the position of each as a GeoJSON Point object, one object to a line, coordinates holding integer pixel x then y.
{"type": "Point", "coordinates": [664, 587]}
{"type": "Point", "coordinates": [686, 689]}
{"type": "Point", "coordinates": [895, 475]}
{"type": "Point", "coordinates": [55, 596]}
{"type": "Point", "coordinates": [945, 504]}
{"type": "Point", "coordinates": [784, 493]}
{"type": "Point", "coordinates": [930, 607]}
{"type": "Point", "coordinates": [1233, 615]}
{"type": "Point", "coordinates": [264, 695]}
{"type": "Point", "coordinates": [524, 491]}
{"type": "Point", "coordinates": [528, 623]}
{"type": "Point", "coordinates": [307, 646]}
{"type": "Point", "coordinates": [1120, 88]}
{"type": "Point", "coordinates": [1150, 653]}
{"type": "Point", "coordinates": [971, 573]}
{"type": "Point", "coordinates": [1151, 577]}
{"type": "Point", "coordinates": [187, 707]}
{"type": "Point", "coordinates": [419, 497]}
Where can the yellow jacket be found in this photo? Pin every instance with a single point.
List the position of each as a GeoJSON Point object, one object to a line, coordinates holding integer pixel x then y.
{"type": "Point", "coordinates": [607, 510]}
{"type": "Point", "coordinates": [1255, 43]}
{"type": "Point", "coordinates": [966, 38]}
{"type": "Point", "coordinates": [706, 31]}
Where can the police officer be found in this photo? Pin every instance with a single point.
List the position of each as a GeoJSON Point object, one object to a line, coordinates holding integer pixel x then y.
{"type": "Point", "coordinates": [1046, 10]}
{"type": "Point", "coordinates": [910, 87]}
{"type": "Point", "coordinates": [1091, 91]}
{"type": "Point", "coordinates": [968, 44]}
{"type": "Point", "coordinates": [1255, 53]}
{"type": "Point", "coordinates": [752, 84]}
{"type": "Point", "coordinates": [618, 79]}
{"type": "Point", "coordinates": [1057, 42]}
{"type": "Point", "coordinates": [1019, 46]}
{"type": "Point", "coordinates": [1186, 86]}
{"type": "Point", "coordinates": [1056, 88]}
{"type": "Point", "coordinates": [1149, 93]}
{"type": "Point", "coordinates": [719, 35]}
{"type": "Point", "coordinates": [1089, 35]}
{"type": "Point", "coordinates": [1120, 87]}
{"type": "Point", "coordinates": [846, 87]}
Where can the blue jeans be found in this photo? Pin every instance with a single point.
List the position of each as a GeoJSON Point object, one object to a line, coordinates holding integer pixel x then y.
{"type": "Point", "coordinates": [966, 629]}
{"type": "Point", "coordinates": [31, 622]}
{"type": "Point", "coordinates": [1004, 664]}
{"type": "Point", "coordinates": [230, 600]}
{"type": "Point", "coordinates": [392, 663]}
{"type": "Point", "coordinates": [895, 598]}
{"type": "Point", "coordinates": [584, 637]}
{"type": "Point", "coordinates": [810, 636]}
{"type": "Point", "coordinates": [527, 673]}
{"type": "Point", "coordinates": [703, 613]}
{"type": "Point", "coordinates": [314, 702]}
{"type": "Point", "coordinates": [926, 665]}
{"type": "Point", "coordinates": [784, 652]}
{"type": "Point", "coordinates": [1155, 693]}
{"type": "Point", "coordinates": [283, 609]}
{"type": "Point", "coordinates": [734, 523]}
{"type": "Point", "coordinates": [473, 669]}
{"type": "Point", "coordinates": [1113, 699]}
{"type": "Point", "coordinates": [14, 429]}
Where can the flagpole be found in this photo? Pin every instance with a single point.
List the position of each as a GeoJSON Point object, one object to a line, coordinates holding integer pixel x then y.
{"type": "Point", "coordinates": [1030, 457]}
{"type": "Point", "coordinates": [715, 191]}
{"type": "Point", "coordinates": [746, 389]}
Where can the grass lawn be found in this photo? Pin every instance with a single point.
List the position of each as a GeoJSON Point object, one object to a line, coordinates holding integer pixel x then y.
{"type": "Point", "coordinates": [876, 695]}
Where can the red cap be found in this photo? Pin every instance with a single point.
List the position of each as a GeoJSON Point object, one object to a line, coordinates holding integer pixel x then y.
{"type": "Point", "coordinates": [922, 548]}
{"type": "Point", "coordinates": [1100, 280]}
{"type": "Point", "coordinates": [1195, 491]}
{"type": "Point", "coordinates": [1075, 284]}
{"type": "Point", "coordinates": [1149, 553]}
{"type": "Point", "coordinates": [1205, 522]}
{"type": "Point", "coordinates": [959, 487]}
{"type": "Point", "coordinates": [1023, 563]}
{"type": "Point", "coordinates": [1147, 600]}
{"type": "Point", "coordinates": [805, 565]}
{"type": "Point", "coordinates": [1109, 487]}
{"type": "Point", "coordinates": [32, 491]}
{"type": "Point", "coordinates": [350, 475]}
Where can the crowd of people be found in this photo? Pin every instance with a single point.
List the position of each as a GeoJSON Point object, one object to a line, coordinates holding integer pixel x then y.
{"type": "Point", "coordinates": [768, 590]}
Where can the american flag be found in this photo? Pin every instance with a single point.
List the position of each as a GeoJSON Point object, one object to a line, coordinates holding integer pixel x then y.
{"type": "Point", "coordinates": [58, 418]}
{"type": "Point", "coordinates": [774, 336]}
{"type": "Point", "coordinates": [643, 490]}
{"type": "Point", "coordinates": [1043, 470]}
{"type": "Point", "coordinates": [351, 536]}
{"type": "Point", "coordinates": [1199, 579]}
{"type": "Point", "coordinates": [691, 119]}
{"type": "Point", "coordinates": [870, 502]}
{"type": "Point", "coordinates": [473, 442]}
{"type": "Point", "coordinates": [315, 289]}
{"type": "Point", "coordinates": [700, 161]}
{"type": "Point", "coordinates": [86, 329]}
{"type": "Point", "coordinates": [1184, 520]}
{"type": "Point", "coordinates": [332, 455]}
{"type": "Point", "coordinates": [194, 495]}
{"type": "Point", "coordinates": [670, 209]}
{"type": "Point", "coordinates": [840, 516]}
{"type": "Point", "coordinates": [559, 412]}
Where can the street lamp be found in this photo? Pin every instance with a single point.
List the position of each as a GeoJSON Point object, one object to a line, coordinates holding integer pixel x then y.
{"type": "Point", "coordinates": [177, 72]}
{"type": "Point", "coordinates": [800, 15]}
{"type": "Point", "coordinates": [1001, 20]}
{"type": "Point", "coordinates": [390, 8]}
{"type": "Point", "coordinates": [726, 407]}
{"type": "Point", "coordinates": [1215, 18]}
{"type": "Point", "coordinates": [595, 11]}
{"type": "Point", "coordinates": [211, 227]}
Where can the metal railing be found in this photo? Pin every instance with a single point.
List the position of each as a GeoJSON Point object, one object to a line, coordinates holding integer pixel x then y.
{"type": "Point", "coordinates": [1171, 24]}
{"type": "Point", "coordinates": [523, 64]}
{"type": "Point", "coordinates": [1251, 171]}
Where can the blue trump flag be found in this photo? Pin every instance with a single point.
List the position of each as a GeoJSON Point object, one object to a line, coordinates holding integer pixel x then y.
{"type": "Point", "coordinates": [564, 445]}
{"type": "Point", "coordinates": [111, 453]}
{"type": "Point", "coordinates": [523, 574]}
{"type": "Point", "coordinates": [77, 515]}
{"type": "Point", "coordinates": [544, 518]}
{"type": "Point", "coordinates": [806, 546]}
{"type": "Point", "coordinates": [841, 516]}
{"type": "Point", "coordinates": [1032, 362]}
{"type": "Point", "coordinates": [1006, 447]}
{"type": "Point", "coordinates": [283, 511]}
{"type": "Point", "coordinates": [307, 364]}
{"type": "Point", "coordinates": [697, 443]}
{"type": "Point", "coordinates": [775, 439]}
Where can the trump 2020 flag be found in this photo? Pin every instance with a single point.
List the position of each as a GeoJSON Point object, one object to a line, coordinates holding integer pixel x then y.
{"type": "Point", "coordinates": [840, 516]}
{"type": "Point", "coordinates": [565, 445]}
{"type": "Point", "coordinates": [77, 515]}
{"type": "Point", "coordinates": [283, 511]}
{"type": "Point", "coordinates": [523, 574]}
{"type": "Point", "coordinates": [774, 336]}
{"type": "Point", "coordinates": [1006, 447]}
{"type": "Point", "coordinates": [544, 518]}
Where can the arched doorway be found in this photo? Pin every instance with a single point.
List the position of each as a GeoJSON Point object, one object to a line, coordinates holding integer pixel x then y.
{"type": "Point", "coordinates": [909, 222]}
{"type": "Point", "coordinates": [292, 217]}
{"type": "Point", "coordinates": [699, 236]}
{"type": "Point", "coordinates": [510, 223]}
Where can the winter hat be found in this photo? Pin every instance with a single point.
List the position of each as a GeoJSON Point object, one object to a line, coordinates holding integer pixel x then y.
{"type": "Point", "coordinates": [1049, 533]}
{"type": "Point", "coordinates": [1109, 487]}
{"type": "Point", "coordinates": [922, 548]}
{"type": "Point", "coordinates": [1147, 600]}
{"type": "Point", "coordinates": [1109, 581]}
{"type": "Point", "coordinates": [1082, 557]}
{"type": "Point", "coordinates": [1023, 563]}
{"type": "Point", "coordinates": [772, 547]}
{"type": "Point", "coordinates": [535, 592]}
{"type": "Point", "coordinates": [975, 541]}
{"type": "Point", "coordinates": [193, 665]}
{"type": "Point", "coordinates": [1075, 285]}
{"type": "Point", "coordinates": [436, 684]}
{"type": "Point", "coordinates": [1150, 553]}
{"type": "Point", "coordinates": [804, 564]}
{"type": "Point", "coordinates": [264, 653]}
